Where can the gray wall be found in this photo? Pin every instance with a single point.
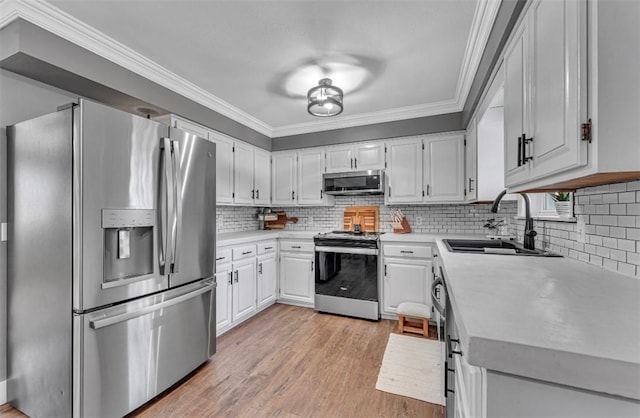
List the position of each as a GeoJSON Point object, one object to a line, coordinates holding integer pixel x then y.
{"type": "Point", "coordinates": [20, 99]}
{"type": "Point", "coordinates": [417, 126]}
{"type": "Point", "coordinates": [31, 51]}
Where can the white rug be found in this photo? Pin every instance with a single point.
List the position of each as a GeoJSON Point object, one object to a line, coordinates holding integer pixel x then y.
{"type": "Point", "coordinates": [413, 367]}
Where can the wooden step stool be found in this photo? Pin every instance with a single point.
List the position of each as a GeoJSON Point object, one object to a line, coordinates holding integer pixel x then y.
{"type": "Point", "coordinates": [418, 312]}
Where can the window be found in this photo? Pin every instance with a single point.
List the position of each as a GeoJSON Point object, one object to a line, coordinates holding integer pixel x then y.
{"type": "Point", "coordinates": [542, 205]}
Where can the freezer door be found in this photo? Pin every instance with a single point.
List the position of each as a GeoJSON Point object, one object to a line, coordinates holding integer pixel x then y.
{"type": "Point", "coordinates": [117, 219]}
{"type": "Point", "coordinates": [127, 354]}
{"type": "Point", "coordinates": [193, 224]}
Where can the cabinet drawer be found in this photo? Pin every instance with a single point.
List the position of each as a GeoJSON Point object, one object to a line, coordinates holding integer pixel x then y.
{"type": "Point", "coordinates": [297, 246]}
{"type": "Point", "coordinates": [244, 252]}
{"type": "Point", "coordinates": [266, 247]}
{"type": "Point", "coordinates": [223, 255]}
{"type": "Point", "coordinates": [408, 251]}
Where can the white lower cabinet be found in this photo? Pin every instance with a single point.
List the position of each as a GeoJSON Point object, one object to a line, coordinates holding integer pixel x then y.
{"type": "Point", "coordinates": [224, 295]}
{"type": "Point", "coordinates": [244, 289]}
{"type": "Point", "coordinates": [297, 273]}
{"type": "Point", "coordinates": [266, 280]}
{"type": "Point", "coordinates": [407, 275]}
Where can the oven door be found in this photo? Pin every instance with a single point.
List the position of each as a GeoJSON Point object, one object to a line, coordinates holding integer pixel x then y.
{"type": "Point", "coordinates": [347, 281]}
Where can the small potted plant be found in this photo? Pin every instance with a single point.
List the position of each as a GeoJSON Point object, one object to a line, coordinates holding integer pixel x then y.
{"type": "Point", "coordinates": [562, 201]}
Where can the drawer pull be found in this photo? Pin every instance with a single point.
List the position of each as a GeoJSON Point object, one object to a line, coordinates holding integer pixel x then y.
{"type": "Point", "coordinates": [247, 252]}
{"type": "Point", "coordinates": [268, 248]}
{"type": "Point", "coordinates": [406, 252]}
{"type": "Point", "coordinates": [296, 246]}
{"type": "Point", "coordinates": [450, 348]}
{"type": "Point", "coordinates": [220, 258]}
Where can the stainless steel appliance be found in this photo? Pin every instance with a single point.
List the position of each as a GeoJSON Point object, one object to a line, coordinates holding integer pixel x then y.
{"type": "Point", "coordinates": [346, 281]}
{"type": "Point", "coordinates": [354, 183]}
{"type": "Point", "coordinates": [111, 296]}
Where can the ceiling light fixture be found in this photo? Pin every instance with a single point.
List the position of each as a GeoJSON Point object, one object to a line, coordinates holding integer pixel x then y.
{"type": "Point", "coordinates": [324, 99]}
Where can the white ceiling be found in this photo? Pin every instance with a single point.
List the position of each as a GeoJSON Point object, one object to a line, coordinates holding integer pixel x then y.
{"type": "Point", "coordinates": [257, 59]}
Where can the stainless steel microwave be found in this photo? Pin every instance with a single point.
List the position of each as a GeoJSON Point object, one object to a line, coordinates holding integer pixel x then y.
{"type": "Point", "coordinates": [354, 183]}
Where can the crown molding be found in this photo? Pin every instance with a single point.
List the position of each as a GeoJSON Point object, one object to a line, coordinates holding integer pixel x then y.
{"type": "Point", "coordinates": [58, 22]}
{"type": "Point", "coordinates": [390, 115]}
{"type": "Point", "coordinates": [483, 19]}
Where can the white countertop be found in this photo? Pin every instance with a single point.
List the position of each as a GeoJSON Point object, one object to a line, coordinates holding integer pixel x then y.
{"type": "Point", "coordinates": [553, 319]}
{"type": "Point", "coordinates": [233, 238]}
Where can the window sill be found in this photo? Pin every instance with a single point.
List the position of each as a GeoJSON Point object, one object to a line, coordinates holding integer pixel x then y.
{"type": "Point", "coordinates": [573, 219]}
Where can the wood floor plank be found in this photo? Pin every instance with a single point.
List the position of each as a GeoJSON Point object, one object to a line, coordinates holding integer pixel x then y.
{"type": "Point", "coordinates": [289, 362]}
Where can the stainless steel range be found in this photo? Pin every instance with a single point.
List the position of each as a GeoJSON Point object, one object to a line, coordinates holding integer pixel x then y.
{"type": "Point", "coordinates": [347, 274]}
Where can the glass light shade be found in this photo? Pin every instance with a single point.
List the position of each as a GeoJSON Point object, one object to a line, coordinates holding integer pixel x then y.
{"type": "Point", "coordinates": [324, 99]}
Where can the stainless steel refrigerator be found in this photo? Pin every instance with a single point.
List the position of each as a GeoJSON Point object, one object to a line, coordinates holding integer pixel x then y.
{"type": "Point", "coordinates": [111, 291]}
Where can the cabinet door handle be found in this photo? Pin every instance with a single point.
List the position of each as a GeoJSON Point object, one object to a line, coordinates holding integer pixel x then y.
{"type": "Point", "coordinates": [385, 270]}
{"type": "Point", "coordinates": [258, 194]}
{"type": "Point", "coordinates": [312, 266]}
{"type": "Point", "coordinates": [389, 191]}
{"type": "Point", "coordinates": [293, 195]}
{"type": "Point", "coordinates": [356, 162]}
{"type": "Point", "coordinates": [320, 193]}
{"type": "Point", "coordinates": [525, 141]}
{"type": "Point", "coordinates": [236, 276]}
{"type": "Point", "coordinates": [352, 163]}
{"type": "Point", "coordinates": [260, 268]}
{"type": "Point", "coordinates": [470, 181]}
{"type": "Point", "coordinates": [230, 278]}
{"type": "Point", "coordinates": [427, 190]}
{"type": "Point", "coordinates": [519, 151]}
{"type": "Point", "coordinates": [253, 194]}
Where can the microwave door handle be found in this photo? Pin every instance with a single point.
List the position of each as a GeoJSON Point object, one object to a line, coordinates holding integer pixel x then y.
{"type": "Point", "coordinates": [167, 192]}
{"type": "Point", "coordinates": [178, 214]}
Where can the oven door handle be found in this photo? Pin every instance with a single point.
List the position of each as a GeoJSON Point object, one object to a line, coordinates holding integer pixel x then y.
{"type": "Point", "coordinates": [347, 250]}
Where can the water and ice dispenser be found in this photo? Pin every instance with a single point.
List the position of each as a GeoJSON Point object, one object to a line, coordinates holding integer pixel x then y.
{"type": "Point", "coordinates": [128, 245]}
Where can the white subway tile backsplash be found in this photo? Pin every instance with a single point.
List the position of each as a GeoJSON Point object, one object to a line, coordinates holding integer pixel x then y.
{"type": "Point", "coordinates": [612, 224]}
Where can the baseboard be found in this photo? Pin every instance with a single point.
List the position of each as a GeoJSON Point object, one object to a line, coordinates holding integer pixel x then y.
{"type": "Point", "coordinates": [3, 392]}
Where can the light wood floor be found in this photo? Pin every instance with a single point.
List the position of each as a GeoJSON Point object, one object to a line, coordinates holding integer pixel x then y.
{"type": "Point", "coordinates": [290, 362]}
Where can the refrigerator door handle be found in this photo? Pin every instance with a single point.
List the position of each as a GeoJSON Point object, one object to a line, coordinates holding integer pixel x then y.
{"type": "Point", "coordinates": [115, 319]}
{"type": "Point", "coordinates": [167, 190]}
{"type": "Point", "coordinates": [178, 214]}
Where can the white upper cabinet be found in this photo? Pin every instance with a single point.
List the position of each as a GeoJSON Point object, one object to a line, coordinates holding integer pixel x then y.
{"type": "Point", "coordinates": [243, 174]}
{"type": "Point", "coordinates": [224, 167]}
{"type": "Point", "coordinates": [339, 159]}
{"type": "Point", "coordinates": [283, 177]}
{"type": "Point", "coordinates": [369, 156]}
{"type": "Point", "coordinates": [545, 92]}
{"type": "Point", "coordinates": [404, 171]}
{"type": "Point", "coordinates": [310, 169]}
{"type": "Point", "coordinates": [355, 157]}
{"type": "Point", "coordinates": [443, 168]}
{"type": "Point", "coordinates": [297, 178]}
{"type": "Point", "coordinates": [471, 161]}
{"type": "Point", "coordinates": [262, 177]}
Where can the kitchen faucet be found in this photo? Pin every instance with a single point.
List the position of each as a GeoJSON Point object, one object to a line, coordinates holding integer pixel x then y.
{"type": "Point", "coordinates": [529, 233]}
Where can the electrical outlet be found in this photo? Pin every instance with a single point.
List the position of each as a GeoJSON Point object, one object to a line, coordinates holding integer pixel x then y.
{"type": "Point", "coordinates": [418, 220]}
{"type": "Point", "coordinates": [581, 230]}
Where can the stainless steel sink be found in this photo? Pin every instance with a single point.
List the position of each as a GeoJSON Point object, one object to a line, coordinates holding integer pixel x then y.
{"type": "Point", "coordinates": [490, 246]}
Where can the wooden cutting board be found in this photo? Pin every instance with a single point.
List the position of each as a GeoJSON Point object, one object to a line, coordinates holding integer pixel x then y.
{"type": "Point", "coordinates": [367, 216]}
